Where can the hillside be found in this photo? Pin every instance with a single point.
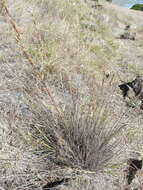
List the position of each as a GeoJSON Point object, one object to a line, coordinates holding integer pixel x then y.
{"type": "Point", "coordinates": [62, 114]}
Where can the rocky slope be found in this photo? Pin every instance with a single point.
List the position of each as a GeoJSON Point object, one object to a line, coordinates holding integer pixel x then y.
{"type": "Point", "coordinates": [76, 41]}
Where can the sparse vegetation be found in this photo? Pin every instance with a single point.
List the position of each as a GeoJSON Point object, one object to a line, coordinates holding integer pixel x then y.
{"type": "Point", "coordinates": [61, 113]}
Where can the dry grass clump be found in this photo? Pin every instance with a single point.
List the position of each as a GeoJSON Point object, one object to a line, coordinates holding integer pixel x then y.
{"type": "Point", "coordinates": [83, 136]}
{"type": "Point", "coordinates": [82, 133]}
{"type": "Point", "coordinates": [66, 119]}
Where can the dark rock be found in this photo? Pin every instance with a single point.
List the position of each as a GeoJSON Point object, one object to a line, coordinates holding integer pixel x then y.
{"type": "Point", "coordinates": [137, 87]}
{"type": "Point", "coordinates": [55, 183]}
{"type": "Point", "coordinates": [125, 89]}
{"type": "Point", "coordinates": [127, 27]}
{"type": "Point", "coordinates": [128, 36]}
{"type": "Point", "coordinates": [133, 166]}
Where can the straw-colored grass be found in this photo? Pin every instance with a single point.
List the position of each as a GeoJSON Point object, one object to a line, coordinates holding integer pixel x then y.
{"type": "Point", "coordinates": [60, 116]}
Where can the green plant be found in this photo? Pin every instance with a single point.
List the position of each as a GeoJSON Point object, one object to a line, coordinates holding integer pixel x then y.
{"type": "Point", "coordinates": [138, 7]}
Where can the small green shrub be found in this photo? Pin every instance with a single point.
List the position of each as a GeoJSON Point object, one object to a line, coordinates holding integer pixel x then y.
{"type": "Point", "coordinates": [138, 7]}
